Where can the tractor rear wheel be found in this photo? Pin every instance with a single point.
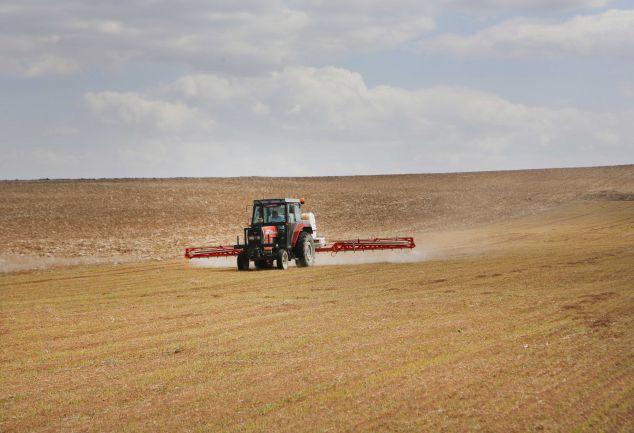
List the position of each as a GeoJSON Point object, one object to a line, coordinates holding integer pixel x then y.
{"type": "Point", "coordinates": [305, 250]}
{"type": "Point", "coordinates": [243, 261]}
{"type": "Point", "coordinates": [282, 259]}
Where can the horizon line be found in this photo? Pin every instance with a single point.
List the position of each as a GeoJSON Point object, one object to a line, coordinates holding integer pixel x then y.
{"type": "Point", "coordinates": [62, 179]}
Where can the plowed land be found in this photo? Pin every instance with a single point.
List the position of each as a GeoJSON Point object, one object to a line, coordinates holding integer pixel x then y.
{"type": "Point", "coordinates": [134, 219]}
{"type": "Point", "coordinates": [519, 320]}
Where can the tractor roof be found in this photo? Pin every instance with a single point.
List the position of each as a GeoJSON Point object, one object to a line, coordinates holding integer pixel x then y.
{"type": "Point", "coordinates": [276, 200]}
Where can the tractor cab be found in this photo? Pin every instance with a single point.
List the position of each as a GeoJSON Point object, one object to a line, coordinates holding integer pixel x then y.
{"type": "Point", "coordinates": [276, 211]}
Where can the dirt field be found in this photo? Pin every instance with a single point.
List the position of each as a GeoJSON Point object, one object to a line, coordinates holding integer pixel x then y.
{"type": "Point", "coordinates": [89, 220]}
{"type": "Point", "coordinates": [517, 318]}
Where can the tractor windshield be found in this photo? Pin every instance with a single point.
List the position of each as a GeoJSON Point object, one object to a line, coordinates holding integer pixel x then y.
{"type": "Point", "coordinates": [269, 213]}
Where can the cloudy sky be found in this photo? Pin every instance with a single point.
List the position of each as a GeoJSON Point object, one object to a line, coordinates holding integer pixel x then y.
{"type": "Point", "coordinates": [153, 88]}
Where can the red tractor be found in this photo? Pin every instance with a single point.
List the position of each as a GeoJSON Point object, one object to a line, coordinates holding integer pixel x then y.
{"type": "Point", "coordinates": [280, 232]}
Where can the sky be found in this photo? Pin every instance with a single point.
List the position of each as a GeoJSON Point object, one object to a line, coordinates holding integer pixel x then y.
{"type": "Point", "coordinates": [209, 88]}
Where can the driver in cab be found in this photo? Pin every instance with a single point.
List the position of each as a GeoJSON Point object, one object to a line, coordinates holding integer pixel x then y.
{"type": "Point", "coordinates": [276, 217]}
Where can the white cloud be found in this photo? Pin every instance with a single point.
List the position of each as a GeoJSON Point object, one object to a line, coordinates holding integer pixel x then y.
{"type": "Point", "coordinates": [111, 27]}
{"type": "Point", "coordinates": [208, 87]}
{"type": "Point", "coordinates": [248, 91]}
{"type": "Point", "coordinates": [384, 128]}
{"type": "Point", "coordinates": [132, 109]}
{"type": "Point", "coordinates": [248, 37]}
{"type": "Point", "coordinates": [540, 6]}
{"type": "Point", "coordinates": [52, 66]}
{"type": "Point", "coordinates": [224, 36]}
{"type": "Point", "coordinates": [604, 34]}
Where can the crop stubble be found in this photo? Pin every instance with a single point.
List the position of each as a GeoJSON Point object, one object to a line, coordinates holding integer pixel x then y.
{"type": "Point", "coordinates": [529, 331]}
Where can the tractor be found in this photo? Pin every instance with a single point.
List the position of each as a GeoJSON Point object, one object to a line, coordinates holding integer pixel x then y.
{"type": "Point", "coordinates": [280, 232]}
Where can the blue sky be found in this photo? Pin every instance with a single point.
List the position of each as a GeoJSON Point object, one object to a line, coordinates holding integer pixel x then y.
{"type": "Point", "coordinates": [233, 88]}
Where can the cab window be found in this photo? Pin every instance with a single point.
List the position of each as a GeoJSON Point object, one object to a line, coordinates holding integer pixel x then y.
{"type": "Point", "coordinates": [275, 213]}
{"type": "Point", "coordinates": [294, 213]}
{"type": "Point", "coordinates": [257, 214]}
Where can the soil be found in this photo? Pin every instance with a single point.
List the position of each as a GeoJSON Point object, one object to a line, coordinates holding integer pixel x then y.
{"type": "Point", "coordinates": [158, 218]}
{"type": "Point", "coordinates": [523, 325]}
{"type": "Point", "coordinates": [515, 313]}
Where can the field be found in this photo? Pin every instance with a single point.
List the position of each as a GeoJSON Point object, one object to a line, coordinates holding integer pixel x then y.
{"type": "Point", "coordinates": [87, 221]}
{"type": "Point", "coordinates": [516, 314]}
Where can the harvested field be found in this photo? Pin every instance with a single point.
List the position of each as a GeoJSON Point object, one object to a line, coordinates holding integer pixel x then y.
{"type": "Point", "coordinates": [520, 320]}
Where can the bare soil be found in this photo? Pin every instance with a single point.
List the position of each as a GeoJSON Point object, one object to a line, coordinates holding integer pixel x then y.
{"type": "Point", "coordinates": [158, 218]}
{"type": "Point", "coordinates": [533, 334]}
{"type": "Point", "coordinates": [520, 318]}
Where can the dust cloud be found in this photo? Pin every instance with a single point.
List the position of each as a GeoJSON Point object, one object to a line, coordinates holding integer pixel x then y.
{"type": "Point", "coordinates": [326, 259]}
{"type": "Point", "coordinates": [355, 258]}
{"type": "Point", "coordinates": [17, 263]}
{"type": "Point", "coordinates": [218, 262]}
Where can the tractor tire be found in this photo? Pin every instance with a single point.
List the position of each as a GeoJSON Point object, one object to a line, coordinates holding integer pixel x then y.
{"type": "Point", "coordinates": [305, 250]}
{"type": "Point", "coordinates": [243, 261]}
{"type": "Point", "coordinates": [282, 259]}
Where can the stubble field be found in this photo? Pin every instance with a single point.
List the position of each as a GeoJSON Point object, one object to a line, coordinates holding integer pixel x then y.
{"type": "Point", "coordinates": [518, 317]}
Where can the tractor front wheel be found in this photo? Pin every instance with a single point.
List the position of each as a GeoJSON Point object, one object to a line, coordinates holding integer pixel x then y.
{"type": "Point", "coordinates": [243, 261]}
{"type": "Point", "coordinates": [282, 259]}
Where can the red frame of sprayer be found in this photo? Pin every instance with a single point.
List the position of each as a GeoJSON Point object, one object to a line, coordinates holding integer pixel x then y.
{"type": "Point", "coordinates": [331, 247]}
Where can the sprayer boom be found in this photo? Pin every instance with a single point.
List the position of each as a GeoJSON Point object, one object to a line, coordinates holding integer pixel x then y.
{"type": "Point", "coordinates": [330, 247]}
{"type": "Point", "coordinates": [211, 251]}
{"type": "Point", "coordinates": [367, 244]}
{"type": "Point", "coordinates": [280, 231]}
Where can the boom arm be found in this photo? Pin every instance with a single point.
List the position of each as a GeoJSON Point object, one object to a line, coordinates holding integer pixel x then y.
{"type": "Point", "coordinates": [331, 247]}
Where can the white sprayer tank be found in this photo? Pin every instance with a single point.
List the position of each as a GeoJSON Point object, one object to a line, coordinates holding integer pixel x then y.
{"type": "Point", "coordinates": [313, 225]}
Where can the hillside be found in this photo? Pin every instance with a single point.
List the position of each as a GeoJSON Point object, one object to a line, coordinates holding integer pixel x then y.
{"type": "Point", "coordinates": [532, 333]}
{"type": "Point", "coordinates": [157, 218]}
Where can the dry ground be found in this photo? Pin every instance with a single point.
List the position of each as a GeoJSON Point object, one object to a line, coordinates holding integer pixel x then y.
{"type": "Point", "coordinates": [90, 219]}
{"type": "Point", "coordinates": [517, 326]}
